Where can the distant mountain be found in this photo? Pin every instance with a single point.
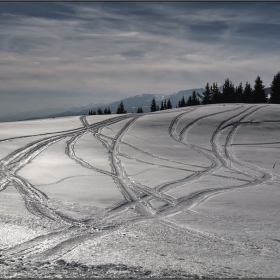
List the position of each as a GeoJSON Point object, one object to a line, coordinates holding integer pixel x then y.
{"type": "Point", "coordinates": [132, 103]}
{"type": "Point", "coordinates": [43, 113]}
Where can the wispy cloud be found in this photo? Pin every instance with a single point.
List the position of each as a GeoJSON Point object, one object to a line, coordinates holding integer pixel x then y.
{"type": "Point", "coordinates": [96, 50]}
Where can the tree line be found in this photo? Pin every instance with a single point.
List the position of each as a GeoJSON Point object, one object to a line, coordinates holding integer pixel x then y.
{"type": "Point", "coordinates": [240, 94]}
{"type": "Point", "coordinates": [213, 95]}
{"type": "Point", "coordinates": [107, 111]}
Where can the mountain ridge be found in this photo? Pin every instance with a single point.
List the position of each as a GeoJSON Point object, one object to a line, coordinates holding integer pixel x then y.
{"type": "Point", "coordinates": [130, 104]}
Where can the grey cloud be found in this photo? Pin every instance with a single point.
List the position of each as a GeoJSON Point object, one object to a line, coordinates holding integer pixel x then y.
{"type": "Point", "coordinates": [133, 54]}
{"type": "Point", "coordinates": [79, 51]}
{"type": "Point", "coordinates": [260, 30]}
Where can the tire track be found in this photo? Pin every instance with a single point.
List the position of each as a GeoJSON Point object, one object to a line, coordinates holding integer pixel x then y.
{"type": "Point", "coordinates": [198, 197]}
{"type": "Point", "coordinates": [182, 139]}
{"type": "Point", "coordinates": [265, 176]}
{"type": "Point", "coordinates": [109, 220]}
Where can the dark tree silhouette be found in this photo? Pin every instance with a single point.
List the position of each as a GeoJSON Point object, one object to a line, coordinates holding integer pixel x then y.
{"type": "Point", "coordinates": [99, 111]}
{"type": "Point", "coordinates": [153, 105]}
{"type": "Point", "coordinates": [165, 104]}
{"type": "Point", "coordinates": [161, 106]}
{"type": "Point", "coordinates": [139, 110]}
{"type": "Point", "coordinates": [247, 96]}
{"type": "Point", "coordinates": [189, 102]}
{"type": "Point", "coordinates": [239, 93]}
{"type": "Point", "coordinates": [275, 89]}
{"type": "Point", "coordinates": [259, 95]}
{"type": "Point", "coordinates": [207, 95]}
{"type": "Point", "coordinates": [228, 95]}
{"type": "Point", "coordinates": [216, 95]}
{"type": "Point", "coordinates": [107, 111]}
{"type": "Point", "coordinates": [169, 104]}
{"type": "Point", "coordinates": [121, 109]}
{"type": "Point", "coordinates": [194, 99]}
{"type": "Point", "coordinates": [182, 102]}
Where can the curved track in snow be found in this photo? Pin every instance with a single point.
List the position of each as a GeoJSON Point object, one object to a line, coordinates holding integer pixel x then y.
{"type": "Point", "coordinates": [137, 204]}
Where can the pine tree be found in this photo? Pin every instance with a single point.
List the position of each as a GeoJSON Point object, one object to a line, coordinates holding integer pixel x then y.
{"type": "Point", "coordinates": [165, 105]}
{"type": "Point", "coordinates": [153, 105]}
{"type": "Point", "coordinates": [107, 111]}
{"type": "Point", "coordinates": [275, 89]}
{"type": "Point", "coordinates": [228, 95]}
{"type": "Point", "coordinates": [99, 111]}
{"type": "Point", "coordinates": [183, 102]}
{"type": "Point", "coordinates": [239, 93]}
{"type": "Point", "coordinates": [189, 102]}
{"type": "Point", "coordinates": [207, 95]}
{"type": "Point", "coordinates": [161, 106]}
{"type": "Point", "coordinates": [139, 110]}
{"type": "Point", "coordinates": [90, 112]}
{"type": "Point", "coordinates": [169, 104]}
{"type": "Point", "coordinates": [259, 95]}
{"type": "Point", "coordinates": [247, 96]}
{"type": "Point", "coordinates": [216, 94]}
{"type": "Point", "coordinates": [121, 109]}
{"type": "Point", "coordinates": [194, 99]}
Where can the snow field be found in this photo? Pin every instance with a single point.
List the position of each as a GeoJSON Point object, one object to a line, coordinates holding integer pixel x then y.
{"type": "Point", "coordinates": [192, 192]}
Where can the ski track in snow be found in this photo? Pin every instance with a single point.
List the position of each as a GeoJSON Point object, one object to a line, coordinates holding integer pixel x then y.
{"type": "Point", "coordinates": [136, 196]}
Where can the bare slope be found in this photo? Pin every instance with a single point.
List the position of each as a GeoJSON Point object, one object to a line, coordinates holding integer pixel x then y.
{"type": "Point", "coordinates": [187, 192]}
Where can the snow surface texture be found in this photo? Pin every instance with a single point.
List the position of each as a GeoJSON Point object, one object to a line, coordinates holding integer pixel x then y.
{"type": "Point", "coordinates": [186, 193]}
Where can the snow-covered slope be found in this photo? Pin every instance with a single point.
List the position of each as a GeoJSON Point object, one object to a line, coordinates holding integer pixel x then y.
{"type": "Point", "coordinates": [189, 192]}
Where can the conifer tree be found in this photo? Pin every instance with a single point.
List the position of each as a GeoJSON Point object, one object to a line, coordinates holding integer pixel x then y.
{"type": "Point", "coordinates": [153, 105]}
{"type": "Point", "coordinates": [121, 109]}
{"type": "Point", "coordinates": [275, 89]}
{"type": "Point", "coordinates": [207, 95]}
{"type": "Point", "coordinates": [161, 106]}
{"type": "Point", "coordinates": [239, 93]}
{"type": "Point", "coordinates": [189, 102]}
{"type": "Point", "coordinates": [194, 99]}
{"type": "Point", "coordinates": [228, 94]}
{"type": "Point", "coordinates": [247, 96]}
{"type": "Point", "coordinates": [107, 111]}
{"type": "Point", "coordinates": [182, 102]}
{"type": "Point", "coordinates": [165, 105]}
{"type": "Point", "coordinates": [179, 104]}
{"type": "Point", "coordinates": [169, 104]}
{"type": "Point", "coordinates": [259, 95]}
{"type": "Point", "coordinates": [99, 111]}
{"type": "Point", "coordinates": [139, 110]}
{"type": "Point", "coordinates": [216, 96]}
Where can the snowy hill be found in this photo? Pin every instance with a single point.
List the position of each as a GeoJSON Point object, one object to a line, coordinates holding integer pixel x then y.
{"type": "Point", "coordinates": [193, 189]}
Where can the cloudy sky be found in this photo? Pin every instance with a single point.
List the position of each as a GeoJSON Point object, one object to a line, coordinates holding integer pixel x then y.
{"type": "Point", "coordinates": [65, 54]}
